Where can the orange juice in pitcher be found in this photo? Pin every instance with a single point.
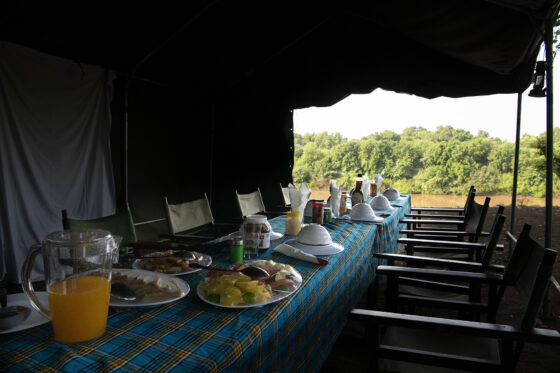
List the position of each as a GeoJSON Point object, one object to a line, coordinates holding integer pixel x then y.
{"type": "Point", "coordinates": [78, 266]}
{"type": "Point", "coordinates": [79, 308]}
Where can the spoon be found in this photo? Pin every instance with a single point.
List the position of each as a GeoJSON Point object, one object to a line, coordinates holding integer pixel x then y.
{"type": "Point", "coordinates": [13, 316]}
{"type": "Point", "coordinates": [121, 291]}
{"type": "Point", "coordinates": [253, 272]}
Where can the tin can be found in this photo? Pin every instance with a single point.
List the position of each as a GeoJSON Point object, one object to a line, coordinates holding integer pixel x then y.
{"type": "Point", "coordinates": [236, 249]}
{"type": "Point", "coordinates": [317, 212]}
{"type": "Point", "coordinates": [327, 215]}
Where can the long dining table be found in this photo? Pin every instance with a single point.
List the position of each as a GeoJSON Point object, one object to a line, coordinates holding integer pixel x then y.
{"type": "Point", "coordinates": [294, 334]}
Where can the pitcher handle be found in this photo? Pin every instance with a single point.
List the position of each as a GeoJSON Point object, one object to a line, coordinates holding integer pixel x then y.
{"type": "Point", "coordinates": [27, 285]}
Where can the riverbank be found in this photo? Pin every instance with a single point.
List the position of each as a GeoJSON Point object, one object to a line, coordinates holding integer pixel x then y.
{"type": "Point", "coordinates": [443, 200]}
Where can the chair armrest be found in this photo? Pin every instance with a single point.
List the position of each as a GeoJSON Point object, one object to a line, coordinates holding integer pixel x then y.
{"type": "Point", "coordinates": [438, 274]}
{"type": "Point", "coordinates": [482, 329]}
{"type": "Point", "coordinates": [436, 232]}
{"type": "Point", "coordinates": [433, 262]}
{"type": "Point", "coordinates": [443, 209]}
{"type": "Point", "coordinates": [436, 216]}
{"type": "Point", "coordinates": [441, 243]}
{"type": "Point", "coordinates": [431, 221]}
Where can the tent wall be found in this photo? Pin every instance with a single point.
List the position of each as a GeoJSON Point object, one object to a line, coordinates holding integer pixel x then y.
{"type": "Point", "coordinates": [181, 145]}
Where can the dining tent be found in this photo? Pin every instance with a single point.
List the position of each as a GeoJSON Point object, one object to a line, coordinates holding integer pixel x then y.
{"type": "Point", "coordinates": [107, 105]}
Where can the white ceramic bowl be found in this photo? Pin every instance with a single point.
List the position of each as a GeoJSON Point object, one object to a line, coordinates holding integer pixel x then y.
{"type": "Point", "coordinates": [380, 203]}
{"type": "Point", "coordinates": [362, 211]}
{"type": "Point", "coordinates": [314, 234]}
{"type": "Point", "coordinates": [392, 194]}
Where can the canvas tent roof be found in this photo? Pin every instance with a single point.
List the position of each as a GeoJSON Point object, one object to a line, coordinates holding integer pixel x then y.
{"type": "Point", "coordinates": [230, 73]}
{"type": "Point", "coordinates": [302, 53]}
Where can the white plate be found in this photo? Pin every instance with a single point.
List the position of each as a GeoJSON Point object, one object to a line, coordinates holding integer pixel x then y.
{"type": "Point", "coordinates": [35, 318]}
{"type": "Point", "coordinates": [275, 235]}
{"type": "Point", "coordinates": [333, 248]}
{"type": "Point", "coordinates": [206, 260]}
{"type": "Point", "coordinates": [182, 284]}
{"type": "Point", "coordinates": [276, 296]}
{"type": "Point", "coordinates": [376, 219]}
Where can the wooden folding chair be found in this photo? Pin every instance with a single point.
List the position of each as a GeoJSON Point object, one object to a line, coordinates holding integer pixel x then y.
{"type": "Point", "coordinates": [473, 227]}
{"type": "Point", "coordinates": [449, 245]}
{"type": "Point", "coordinates": [459, 223]}
{"type": "Point", "coordinates": [411, 343]}
{"type": "Point", "coordinates": [446, 283]}
{"type": "Point", "coordinates": [442, 212]}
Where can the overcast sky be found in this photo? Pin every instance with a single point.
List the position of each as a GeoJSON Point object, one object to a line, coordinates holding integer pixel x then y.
{"type": "Point", "coordinates": [360, 115]}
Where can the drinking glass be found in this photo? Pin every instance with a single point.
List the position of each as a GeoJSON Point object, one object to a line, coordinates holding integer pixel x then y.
{"type": "Point", "coordinates": [78, 267]}
{"type": "Point", "coordinates": [252, 232]}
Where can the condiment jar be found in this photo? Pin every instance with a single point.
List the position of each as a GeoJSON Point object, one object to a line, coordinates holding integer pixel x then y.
{"type": "Point", "coordinates": [293, 223]}
{"type": "Point", "coordinates": [317, 212]}
{"type": "Point", "coordinates": [373, 189]}
{"type": "Point", "coordinates": [263, 238]}
{"type": "Point", "coordinates": [343, 197]}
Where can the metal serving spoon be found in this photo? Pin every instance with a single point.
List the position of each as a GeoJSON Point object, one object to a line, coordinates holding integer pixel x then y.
{"type": "Point", "coordinates": [121, 291]}
{"type": "Point", "coordinates": [13, 316]}
{"type": "Point", "coordinates": [253, 272]}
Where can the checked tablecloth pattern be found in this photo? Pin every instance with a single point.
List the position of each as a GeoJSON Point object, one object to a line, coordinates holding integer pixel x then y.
{"type": "Point", "coordinates": [294, 334]}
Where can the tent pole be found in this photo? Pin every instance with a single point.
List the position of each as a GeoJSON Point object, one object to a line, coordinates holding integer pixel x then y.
{"type": "Point", "coordinates": [212, 134]}
{"type": "Point", "coordinates": [125, 142]}
{"type": "Point", "coordinates": [515, 171]}
{"type": "Point", "coordinates": [546, 309]}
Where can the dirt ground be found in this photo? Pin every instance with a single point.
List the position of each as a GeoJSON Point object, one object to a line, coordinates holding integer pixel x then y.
{"type": "Point", "coordinates": [350, 353]}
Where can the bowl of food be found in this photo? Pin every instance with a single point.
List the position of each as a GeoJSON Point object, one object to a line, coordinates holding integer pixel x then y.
{"type": "Point", "coordinates": [314, 234]}
{"type": "Point", "coordinates": [380, 203]}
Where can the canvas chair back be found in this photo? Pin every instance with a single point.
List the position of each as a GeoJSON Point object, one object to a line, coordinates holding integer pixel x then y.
{"type": "Point", "coordinates": [533, 283]}
{"type": "Point", "coordinates": [470, 197]}
{"type": "Point", "coordinates": [188, 215]}
{"type": "Point", "coordinates": [119, 224]}
{"type": "Point", "coordinates": [470, 209]}
{"type": "Point", "coordinates": [250, 203]}
{"type": "Point", "coordinates": [493, 238]}
{"type": "Point", "coordinates": [477, 216]}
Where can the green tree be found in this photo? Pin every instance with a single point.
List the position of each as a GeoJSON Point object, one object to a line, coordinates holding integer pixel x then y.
{"type": "Point", "coordinates": [540, 145]}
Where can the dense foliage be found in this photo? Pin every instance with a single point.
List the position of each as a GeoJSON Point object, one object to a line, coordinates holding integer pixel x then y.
{"type": "Point", "coordinates": [445, 161]}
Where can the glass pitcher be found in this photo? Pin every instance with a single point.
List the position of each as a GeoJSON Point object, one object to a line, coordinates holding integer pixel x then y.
{"type": "Point", "coordinates": [78, 281]}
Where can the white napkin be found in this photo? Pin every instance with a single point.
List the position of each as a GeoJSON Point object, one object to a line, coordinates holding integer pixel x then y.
{"type": "Point", "coordinates": [299, 197]}
{"type": "Point", "coordinates": [336, 192]}
{"type": "Point", "coordinates": [378, 180]}
{"type": "Point", "coordinates": [365, 187]}
{"type": "Point", "coordinates": [299, 254]}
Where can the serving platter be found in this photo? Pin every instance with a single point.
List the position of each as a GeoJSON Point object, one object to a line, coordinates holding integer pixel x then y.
{"type": "Point", "coordinates": [204, 259]}
{"type": "Point", "coordinates": [181, 284]}
{"type": "Point", "coordinates": [35, 318]}
{"type": "Point", "coordinates": [276, 295]}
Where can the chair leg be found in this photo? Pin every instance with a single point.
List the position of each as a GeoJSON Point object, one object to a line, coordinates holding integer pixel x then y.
{"type": "Point", "coordinates": [372, 294]}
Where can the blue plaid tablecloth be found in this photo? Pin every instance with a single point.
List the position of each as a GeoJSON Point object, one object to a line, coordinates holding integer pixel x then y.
{"type": "Point", "coordinates": [294, 334]}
